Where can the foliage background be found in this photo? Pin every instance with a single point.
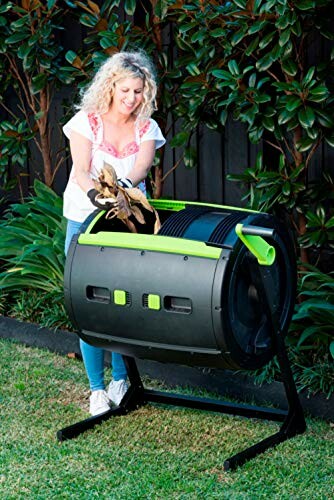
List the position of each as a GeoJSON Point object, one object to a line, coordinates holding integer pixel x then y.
{"type": "Point", "coordinates": [244, 60]}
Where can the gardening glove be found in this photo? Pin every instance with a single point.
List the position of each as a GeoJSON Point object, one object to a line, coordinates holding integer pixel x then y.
{"type": "Point", "coordinates": [125, 183]}
{"type": "Point", "coordinates": [101, 203]}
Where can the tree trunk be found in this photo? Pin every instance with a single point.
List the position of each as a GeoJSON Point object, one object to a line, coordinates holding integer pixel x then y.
{"type": "Point", "coordinates": [45, 139]}
{"type": "Point", "coordinates": [158, 184]}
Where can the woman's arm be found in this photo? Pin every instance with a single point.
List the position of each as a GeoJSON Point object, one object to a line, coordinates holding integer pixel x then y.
{"type": "Point", "coordinates": [143, 162]}
{"type": "Point", "coordinates": [81, 151]}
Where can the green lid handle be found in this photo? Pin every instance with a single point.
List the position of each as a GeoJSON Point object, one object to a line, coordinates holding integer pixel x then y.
{"type": "Point", "coordinates": [252, 237]}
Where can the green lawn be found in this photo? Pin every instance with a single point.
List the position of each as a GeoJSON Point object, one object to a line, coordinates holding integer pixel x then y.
{"type": "Point", "coordinates": [152, 453]}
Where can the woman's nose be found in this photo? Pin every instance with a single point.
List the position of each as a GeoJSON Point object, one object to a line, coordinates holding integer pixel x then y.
{"type": "Point", "coordinates": [132, 97]}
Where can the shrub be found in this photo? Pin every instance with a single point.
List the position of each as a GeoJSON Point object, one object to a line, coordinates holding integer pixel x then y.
{"type": "Point", "coordinates": [32, 255]}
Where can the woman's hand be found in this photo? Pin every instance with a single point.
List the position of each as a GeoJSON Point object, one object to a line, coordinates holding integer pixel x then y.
{"type": "Point", "coordinates": [101, 203]}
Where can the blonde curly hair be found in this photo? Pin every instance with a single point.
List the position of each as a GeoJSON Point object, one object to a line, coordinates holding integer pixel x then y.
{"type": "Point", "coordinates": [98, 95]}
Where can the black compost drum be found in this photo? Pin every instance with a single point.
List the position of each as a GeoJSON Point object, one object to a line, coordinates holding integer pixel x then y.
{"type": "Point", "coordinates": [191, 294]}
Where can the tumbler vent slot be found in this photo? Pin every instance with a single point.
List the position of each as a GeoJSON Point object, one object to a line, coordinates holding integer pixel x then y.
{"type": "Point", "coordinates": [178, 304]}
{"type": "Point", "coordinates": [151, 301]}
{"type": "Point", "coordinates": [122, 298]}
{"type": "Point", "coordinates": [98, 294]}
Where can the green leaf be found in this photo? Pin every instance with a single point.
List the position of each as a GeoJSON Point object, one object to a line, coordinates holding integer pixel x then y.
{"type": "Point", "coordinates": [325, 119]}
{"type": "Point", "coordinates": [19, 23]}
{"type": "Point", "coordinates": [18, 37]}
{"type": "Point", "coordinates": [289, 67]}
{"type": "Point", "coordinates": [331, 348]}
{"type": "Point", "coordinates": [233, 67]}
{"type": "Point", "coordinates": [284, 37]}
{"type": "Point", "coordinates": [264, 63]}
{"type": "Point", "coordinates": [281, 163]}
{"type": "Point", "coordinates": [306, 117]}
{"type": "Point", "coordinates": [286, 188]}
{"type": "Point", "coordinates": [223, 117]}
{"type": "Point", "coordinates": [305, 4]}
{"type": "Point", "coordinates": [237, 37]}
{"type": "Point", "coordinates": [216, 33]}
{"type": "Point", "coordinates": [252, 46]}
{"type": "Point", "coordinates": [308, 77]}
{"type": "Point", "coordinates": [222, 74]}
{"type": "Point", "coordinates": [190, 157]}
{"type": "Point", "coordinates": [88, 20]}
{"type": "Point", "coordinates": [24, 50]}
{"type": "Point", "coordinates": [304, 144]}
{"type": "Point", "coordinates": [269, 111]}
{"type": "Point", "coordinates": [252, 80]}
{"type": "Point", "coordinates": [320, 90]}
{"type": "Point", "coordinates": [266, 40]}
{"type": "Point", "coordinates": [130, 7]}
{"type": "Point", "coordinates": [312, 133]}
{"type": "Point", "coordinates": [240, 3]}
{"type": "Point", "coordinates": [293, 102]}
{"type": "Point", "coordinates": [285, 116]}
{"type": "Point", "coordinates": [179, 139]}
{"type": "Point", "coordinates": [330, 141]}
{"type": "Point", "coordinates": [38, 83]}
{"type": "Point", "coordinates": [199, 36]}
{"type": "Point", "coordinates": [268, 123]}
{"type": "Point", "coordinates": [283, 21]}
{"type": "Point", "coordinates": [255, 134]}
{"type": "Point", "coordinates": [70, 56]}
{"type": "Point", "coordinates": [308, 332]}
{"type": "Point", "coordinates": [257, 26]}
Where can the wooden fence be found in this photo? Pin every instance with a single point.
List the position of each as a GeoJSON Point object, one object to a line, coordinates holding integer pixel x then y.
{"type": "Point", "coordinates": [218, 154]}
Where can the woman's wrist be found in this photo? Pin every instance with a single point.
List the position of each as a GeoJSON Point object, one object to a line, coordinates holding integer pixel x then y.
{"type": "Point", "coordinates": [125, 182]}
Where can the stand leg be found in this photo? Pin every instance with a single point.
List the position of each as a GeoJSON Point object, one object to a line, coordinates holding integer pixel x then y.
{"type": "Point", "coordinates": [72, 431]}
{"type": "Point", "coordinates": [293, 424]}
{"type": "Point", "coordinates": [295, 421]}
{"type": "Point", "coordinates": [133, 398]}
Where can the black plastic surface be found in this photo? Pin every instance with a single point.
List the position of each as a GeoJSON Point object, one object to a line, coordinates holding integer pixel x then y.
{"type": "Point", "coordinates": [211, 311]}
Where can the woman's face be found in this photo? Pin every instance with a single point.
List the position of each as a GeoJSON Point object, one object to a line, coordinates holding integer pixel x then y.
{"type": "Point", "coordinates": [128, 95]}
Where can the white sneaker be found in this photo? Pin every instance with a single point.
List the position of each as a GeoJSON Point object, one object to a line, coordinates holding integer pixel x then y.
{"type": "Point", "coordinates": [99, 402]}
{"type": "Point", "coordinates": [116, 391]}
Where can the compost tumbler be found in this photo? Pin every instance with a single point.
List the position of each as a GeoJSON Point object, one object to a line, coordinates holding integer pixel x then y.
{"type": "Point", "coordinates": [214, 288]}
{"type": "Point", "coordinates": [187, 295]}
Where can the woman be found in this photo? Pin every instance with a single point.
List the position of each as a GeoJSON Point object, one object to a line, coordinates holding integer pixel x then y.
{"type": "Point", "coordinates": [113, 126]}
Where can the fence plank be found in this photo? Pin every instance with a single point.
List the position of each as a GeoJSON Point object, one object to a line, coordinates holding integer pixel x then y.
{"type": "Point", "coordinates": [235, 161]}
{"type": "Point", "coordinates": [210, 165]}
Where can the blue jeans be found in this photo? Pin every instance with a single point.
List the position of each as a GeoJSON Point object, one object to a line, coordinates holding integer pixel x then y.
{"type": "Point", "coordinates": [93, 357]}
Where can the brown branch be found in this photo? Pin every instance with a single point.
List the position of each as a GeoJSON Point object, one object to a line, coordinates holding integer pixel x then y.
{"type": "Point", "coordinates": [274, 146]}
{"type": "Point", "coordinates": [289, 148]}
{"type": "Point", "coordinates": [16, 72]}
{"type": "Point", "coordinates": [172, 169]}
{"type": "Point", "coordinates": [313, 150]}
{"type": "Point", "coordinates": [8, 110]}
{"type": "Point", "coordinates": [57, 167]}
{"type": "Point", "coordinates": [267, 71]}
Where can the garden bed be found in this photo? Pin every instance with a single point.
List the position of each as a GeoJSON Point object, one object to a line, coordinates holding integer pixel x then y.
{"type": "Point", "coordinates": [222, 382]}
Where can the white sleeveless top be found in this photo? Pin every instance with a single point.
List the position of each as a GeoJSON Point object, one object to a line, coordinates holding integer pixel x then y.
{"type": "Point", "coordinates": [77, 205]}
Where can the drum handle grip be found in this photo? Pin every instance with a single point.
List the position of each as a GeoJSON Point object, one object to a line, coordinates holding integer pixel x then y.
{"type": "Point", "coordinates": [253, 237]}
{"type": "Point", "coordinates": [264, 232]}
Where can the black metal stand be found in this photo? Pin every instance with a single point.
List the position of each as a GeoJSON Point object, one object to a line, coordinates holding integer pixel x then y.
{"type": "Point", "coordinates": [293, 419]}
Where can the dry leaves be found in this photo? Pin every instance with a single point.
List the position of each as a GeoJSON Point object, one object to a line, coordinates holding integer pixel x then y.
{"type": "Point", "coordinates": [126, 202]}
